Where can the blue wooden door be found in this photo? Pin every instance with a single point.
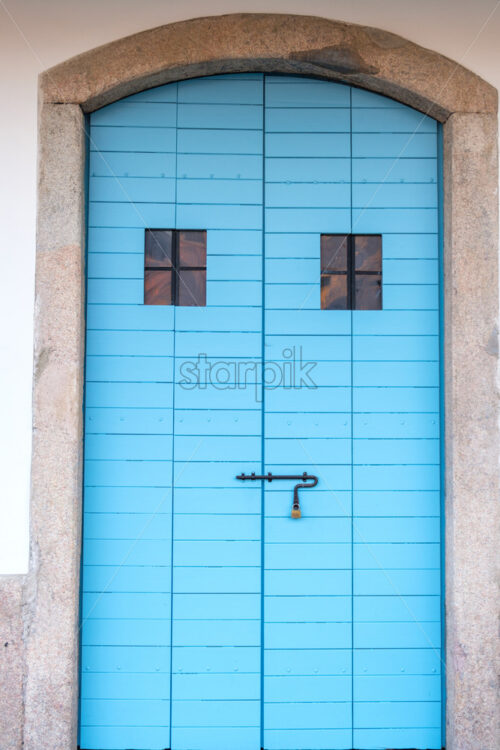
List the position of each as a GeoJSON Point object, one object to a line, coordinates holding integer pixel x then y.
{"type": "Point", "coordinates": [210, 618]}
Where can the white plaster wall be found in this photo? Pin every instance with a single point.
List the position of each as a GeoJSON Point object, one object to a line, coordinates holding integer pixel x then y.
{"type": "Point", "coordinates": [36, 34]}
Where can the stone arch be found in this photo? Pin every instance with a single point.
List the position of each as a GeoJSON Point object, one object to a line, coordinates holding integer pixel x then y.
{"type": "Point", "coordinates": [303, 45]}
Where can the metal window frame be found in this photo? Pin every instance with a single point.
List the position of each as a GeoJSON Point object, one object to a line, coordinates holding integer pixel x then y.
{"type": "Point", "coordinates": [351, 271]}
{"type": "Point", "coordinates": [175, 267]}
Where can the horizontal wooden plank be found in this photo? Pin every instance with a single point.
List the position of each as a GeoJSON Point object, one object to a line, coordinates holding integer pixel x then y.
{"type": "Point", "coordinates": [127, 526]}
{"type": "Point", "coordinates": [131, 164]}
{"type": "Point", "coordinates": [397, 714]}
{"type": "Point", "coordinates": [219, 116]}
{"type": "Point", "coordinates": [402, 555]}
{"type": "Point", "coordinates": [395, 399]}
{"type": "Point", "coordinates": [121, 551]}
{"type": "Point", "coordinates": [231, 293]}
{"type": "Point", "coordinates": [396, 609]}
{"type": "Point", "coordinates": [147, 139]}
{"type": "Point", "coordinates": [221, 90]}
{"type": "Point", "coordinates": [214, 527]}
{"type": "Point", "coordinates": [288, 91]}
{"type": "Point", "coordinates": [219, 166]}
{"type": "Point", "coordinates": [204, 141]}
{"type": "Point", "coordinates": [202, 659]}
{"type": "Point", "coordinates": [121, 578]}
{"type": "Point", "coordinates": [396, 478]}
{"type": "Point", "coordinates": [414, 736]}
{"type": "Point", "coordinates": [393, 426]}
{"type": "Point", "coordinates": [394, 169]}
{"type": "Point", "coordinates": [397, 582]}
{"type": "Point", "coordinates": [388, 196]}
{"type": "Point", "coordinates": [131, 633]}
{"type": "Point", "coordinates": [308, 219]}
{"type": "Point", "coordinates": [137, 113]}
{"type": "Point", "coordinates": [295, 715]}
{"type": "Point", "coordinates": [296, 634]}
{"type": "Point", "coordinates": [395, 348]}
{"type": "Point", "coordinates": [307, 195]}
{"type": "Point", "coordinates": [217, 738]}
{"type": "Point", "coordinates": [283, 688]}
{"type": "Point", "coordinates": [407, 451]}
{"type": "Point", "coordinates": [217, 553]}
{"type": "Point", "coordinates": [137, 189]}
{"type": "Point", "coordinates": [292, 296]}
{"type": "Point", "coordinates": [310, 120]}
{"type": "Point", "coordinates": [307, 169]}
{"type": "Point", "coordinates": [399, 503]}
{"type": "Point", "coordinates": [231, 687]}
{"type": "Point", "coordinates": [315, 739]}
{"type": "Point", "coordinates": [308, 582]}
{"type": "Point", "coordinates": [215, 606]}
{"type": "Point", "coordinates": [306, 661]}
{"type": "Point", "coordinates": [119, 712]}
{"type": "Point", "coordinates": [134, 343]}
{"type": "Point", "coordinates": [112, 737]}
{"type": "Point", "coordinates": [326, 322]}
{"type": "Point", "coordinates": [132, 447]}
{"type": "Point", "coordinates": [310, 530]}
{"type": "Point", "coordinates": [127, 499]}
{"type": "Point", "coordinates": [217, 581]}
{"type": "Point", "coordinates": [312, 425]}
{"type": "Point", "coordinates": [115, 291]}
{"type": "Point", "coordinates": [395, 661]}
{"type": "Point", "coordinates": [411, 297]}
{"type": "Point", "coordinates": [125, 686]}
{"type": "Point", "coordinates": [306, 608]}
{"type": "Point", "coordinates": [118, 473]}
{"type": "Point", "coordinates": [300, 450]}
{"type": "Point", "coordinates": [215, 632]}
{"type": "Point", "coordinates": [118, 368]}
{"type": "Point", "coordinates": [126, 660]}
{"type": "Point", "coordinates": [242, 499]}
{"type": "Point", "coordinates": [390, 120]}
{"type": "Point", "coordinates": [420, 145]}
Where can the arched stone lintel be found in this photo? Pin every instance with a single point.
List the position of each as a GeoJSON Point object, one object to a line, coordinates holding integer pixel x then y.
{"type": "Point", "coordinates": [302, 45]}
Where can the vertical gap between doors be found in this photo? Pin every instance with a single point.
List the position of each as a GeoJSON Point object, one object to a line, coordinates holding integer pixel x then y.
{"type": "Point", "coordinates": [351, 259]}
{"type": "Point", "coordinates": [263, 463]}
{"type": "Point", "coordinates": [172, 526]}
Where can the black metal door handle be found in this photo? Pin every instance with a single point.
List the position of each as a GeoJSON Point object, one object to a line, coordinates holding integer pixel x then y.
{"type": "Point", "coordinates": [307, 480]}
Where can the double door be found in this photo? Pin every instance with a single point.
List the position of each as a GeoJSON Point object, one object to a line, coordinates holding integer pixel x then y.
{"type": "Point", "coordinates": [212, 619]}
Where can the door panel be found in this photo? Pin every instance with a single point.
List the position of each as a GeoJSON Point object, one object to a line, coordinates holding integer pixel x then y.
{"type": "Point", "coordinates": [210, 617]}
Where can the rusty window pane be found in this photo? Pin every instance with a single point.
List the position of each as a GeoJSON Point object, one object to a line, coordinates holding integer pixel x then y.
{"type": "Point", "coordinates": [334, 292]}
{"type": "Point", "coordinates": [334, 253]}
{"type": "Point", "coordinates": [368, 252]}
{"type": "Point", "coordinates": [193, 249]}
{"type": "Point", "coordinates": [175, 263]}
{"type": "Point", "coordinates": [158, 250]}
{"type": "Point", "coordinates": [157, 287]}
{"type": "Point", "coordinates": [368, 293]}
{"type": "Point", "coordinates": [191, 287]}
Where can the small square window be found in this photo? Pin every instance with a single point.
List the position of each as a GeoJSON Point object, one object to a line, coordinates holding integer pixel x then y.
{"type": "Point", "coordinates": [351, 272]}
{"type": "Point", "coordinates": [175, 263]}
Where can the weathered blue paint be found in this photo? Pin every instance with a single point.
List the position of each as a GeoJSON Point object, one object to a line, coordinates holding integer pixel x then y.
{"type": "Point", "coordinates": [210, 618]}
